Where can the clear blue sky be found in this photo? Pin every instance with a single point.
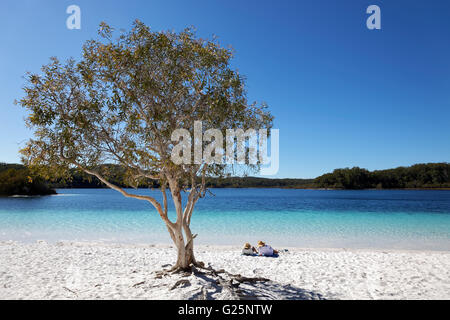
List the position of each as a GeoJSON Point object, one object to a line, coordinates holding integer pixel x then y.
{"type": "Point", "coordinates": [342, 95]}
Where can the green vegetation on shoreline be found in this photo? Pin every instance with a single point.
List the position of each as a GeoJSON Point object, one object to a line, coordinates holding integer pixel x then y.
{"type": "Point", "coordinates": [418, 176]}
{"type": "Point", "coordinates": [17, 179]}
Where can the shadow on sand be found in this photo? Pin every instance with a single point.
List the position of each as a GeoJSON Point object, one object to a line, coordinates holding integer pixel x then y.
{"type": "Point", "coordinates": [220, 287]}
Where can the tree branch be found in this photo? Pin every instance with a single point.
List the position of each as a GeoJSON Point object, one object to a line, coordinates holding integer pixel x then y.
{"type": "Point", "coordinates": [153, 201]}
{"type": "Point", "coordinates": [163, 190]}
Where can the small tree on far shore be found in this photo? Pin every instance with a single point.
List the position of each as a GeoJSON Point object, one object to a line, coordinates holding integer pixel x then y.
{"type": "Point", "coordinates": [121, 103]}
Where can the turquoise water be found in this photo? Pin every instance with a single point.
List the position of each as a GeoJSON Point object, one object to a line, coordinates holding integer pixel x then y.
{"type": "Point", "coordinates": [396, 219]}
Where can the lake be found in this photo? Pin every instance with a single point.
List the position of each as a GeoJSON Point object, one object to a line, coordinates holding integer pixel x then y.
{"type": "Point", "coordinates": [385, 219]}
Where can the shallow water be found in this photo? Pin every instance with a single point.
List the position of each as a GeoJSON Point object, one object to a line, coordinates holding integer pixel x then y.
{"type": "Point", "coordinates": [391, 219]}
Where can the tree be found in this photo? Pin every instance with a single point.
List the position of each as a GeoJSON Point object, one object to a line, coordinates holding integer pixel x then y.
{"type": "Point", "coordinates": [121, 103]}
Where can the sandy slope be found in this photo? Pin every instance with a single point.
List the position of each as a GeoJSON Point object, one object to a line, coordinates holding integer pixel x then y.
{"type": "Point", "coordinates": [101, 271]}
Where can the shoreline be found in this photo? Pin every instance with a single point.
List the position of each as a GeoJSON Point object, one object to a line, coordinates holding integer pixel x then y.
{"type": "Point", "coordinates": [216, 246]}
{"type": "Point", "coordinates": [92, 270]}
{"type": "Point", "coordinates": [266, 187]}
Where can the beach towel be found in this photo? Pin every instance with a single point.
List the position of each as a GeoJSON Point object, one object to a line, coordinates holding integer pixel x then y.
{"type": "Point", "coordinates": [260, 255]}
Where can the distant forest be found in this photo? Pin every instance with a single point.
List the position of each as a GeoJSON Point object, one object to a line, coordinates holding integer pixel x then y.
{"type": "Point", "coordinates": [18, 179]}
{"type": "Point", "coordinates": [422, 176]}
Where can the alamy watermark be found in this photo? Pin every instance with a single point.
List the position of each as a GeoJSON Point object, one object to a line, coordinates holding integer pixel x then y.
{"type": "Point", "coordinates": [74, 20]}
{"type": "Point", "coordinates": [241, 147]}
{"type": "Point", "coordinates": [374, 20]}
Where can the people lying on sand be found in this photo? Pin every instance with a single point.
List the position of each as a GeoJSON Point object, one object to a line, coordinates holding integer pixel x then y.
{"type": "Point", "coordinates": [248, 250]}
{"type": "Point", "coordinates": [266, 250]}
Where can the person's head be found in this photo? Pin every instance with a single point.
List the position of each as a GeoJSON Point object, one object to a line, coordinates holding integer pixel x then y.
{"type": "Point", "coordinates": [247, 245]}
{"type": "Point", "coordinates": [261, 244]}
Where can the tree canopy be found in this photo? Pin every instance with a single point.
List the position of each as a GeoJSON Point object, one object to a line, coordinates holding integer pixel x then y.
{"type": "Point", "coordinates": [124, 99]}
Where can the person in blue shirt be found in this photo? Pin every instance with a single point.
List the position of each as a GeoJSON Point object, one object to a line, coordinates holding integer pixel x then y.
{"type": "Point", "coordinates": [266, 250]}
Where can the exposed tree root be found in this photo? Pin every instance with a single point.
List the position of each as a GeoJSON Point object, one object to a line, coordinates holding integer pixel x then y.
{"type": "Point", "coordinates": [181, 283]}
{"type": "Point", "coordinates": [230, 285]}
{"type": "Point", "coordinates": [138, 284]}
{"type": "Point", "coordinates": [221, 279]}
{"type": "Point", "coordinates": [239, 278]}
{"type": "Point", "coordinates": [176, 269]}
{"type": "Point", "coordinates": [199, 264]}
{"type": "Point", "coordinates": [70, 291]}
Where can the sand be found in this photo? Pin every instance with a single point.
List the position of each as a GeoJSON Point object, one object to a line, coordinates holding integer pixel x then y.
{"type": "Point", "coordinates": [118, 271]}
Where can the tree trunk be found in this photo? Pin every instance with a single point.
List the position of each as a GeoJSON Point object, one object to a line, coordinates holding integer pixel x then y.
{"type": "Point", "coordinates": [185, 245]}
{"type": "Point", "coordinates": [185, 249]}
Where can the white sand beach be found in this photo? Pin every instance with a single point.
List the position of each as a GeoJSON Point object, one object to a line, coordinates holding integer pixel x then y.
{"type": "Point", "coordinates": [118, 271]}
